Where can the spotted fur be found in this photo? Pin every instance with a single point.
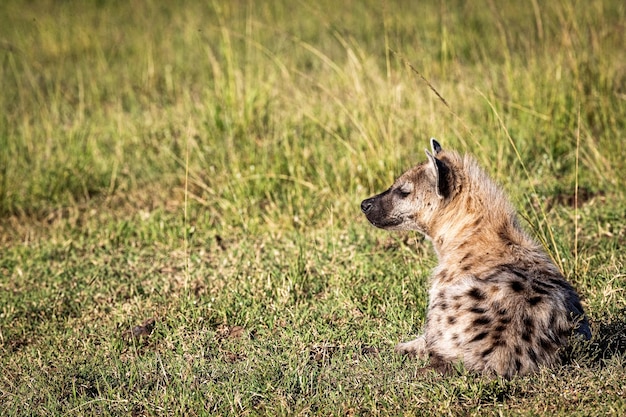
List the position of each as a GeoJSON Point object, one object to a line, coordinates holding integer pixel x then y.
{"type": "Point", "coordinates": [496, 300]}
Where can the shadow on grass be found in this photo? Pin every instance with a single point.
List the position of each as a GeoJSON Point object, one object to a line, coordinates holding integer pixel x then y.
{"type": "Point", "coordinates": [608, 341]}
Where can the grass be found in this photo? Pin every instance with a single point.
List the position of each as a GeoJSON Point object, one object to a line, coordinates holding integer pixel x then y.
{"type": "Point", "coordinates": [202, 165]}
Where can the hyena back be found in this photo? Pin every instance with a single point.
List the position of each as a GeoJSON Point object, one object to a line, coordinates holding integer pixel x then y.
{"type": "Point", "coordinates": [496, 300]}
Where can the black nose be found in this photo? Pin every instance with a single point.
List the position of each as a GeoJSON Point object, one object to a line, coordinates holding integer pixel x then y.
{"type": "Point", "coordinates": [366, 205]}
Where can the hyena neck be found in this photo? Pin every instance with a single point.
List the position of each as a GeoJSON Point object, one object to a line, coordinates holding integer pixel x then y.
{"type": "Point", "coordinates": [478, 216]}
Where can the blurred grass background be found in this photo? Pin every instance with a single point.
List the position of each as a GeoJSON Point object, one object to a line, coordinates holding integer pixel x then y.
{"type": "Point", "coordinates": [202, 163]}
{"type": "Point", "coordinates": [111, 97]}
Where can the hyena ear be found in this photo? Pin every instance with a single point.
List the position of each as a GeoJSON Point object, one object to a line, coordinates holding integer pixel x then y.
{"type": "Point", "coordinates": [435, 146]}
{"type": "Point", "coordinates": [440, 171]}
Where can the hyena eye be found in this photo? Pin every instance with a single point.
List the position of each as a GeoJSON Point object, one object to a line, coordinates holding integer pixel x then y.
{"type": "Point", "coordinates": [403, 191]}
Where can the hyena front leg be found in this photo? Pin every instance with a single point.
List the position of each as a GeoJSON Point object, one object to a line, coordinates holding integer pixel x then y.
{"type": "Point", "coordinates": [415, 347]}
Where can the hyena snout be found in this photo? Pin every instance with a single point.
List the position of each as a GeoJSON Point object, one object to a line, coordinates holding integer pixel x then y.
{"type": "Point", "coordinates": [367, 205]}
{"type": "Point", "coordinates": [377, 210]}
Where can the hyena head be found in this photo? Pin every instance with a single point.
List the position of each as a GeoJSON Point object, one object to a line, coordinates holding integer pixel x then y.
{"type": "Point", "coordinates": [415, 198]}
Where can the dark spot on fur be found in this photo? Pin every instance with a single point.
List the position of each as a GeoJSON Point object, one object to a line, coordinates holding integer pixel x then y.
{"type": "Point", "coordinates": [481, 321]}
{"type": "Point", "coordinates": [479, 336]}
{"type": "Point", "coordinates": [518, 365]}
{"type": "Point", "coordinates": [516, 271]}
{"type": "Point", "coordinates": [543, 284]}
{"type": "Point", "coordinates": [487, 352]}
{"type": "Point", "coordinates": [498, 341]}
{"type": "Point", "coordinates": [532, 354]}
{"type": "Point", "coordinates": [478, 310]}
{"type": "Point", "coordinates": [529, 323]}
{"type": "Point", "coordinates": [529, 328]}
{"type": "Point", "coordinates": [518, 350]}
{"type": "Point", "coordinates": [505, 320]}
{"type": "Point", "coordinates": [500, 328]}
{"type": "Point", "coordinates": [546, 344]}
{"type": "Point", "coordinates": [467, 267]}
{"type": "Point", "coordinates": [454, 337]}
{"type": "Point", "coordinates": [502, 311]}
{"type": "Point", "coordinates": [476, 294]}
{"type": "Point", "coordinates": [443, 306]}
{"type": "Point", "coordinates": [539, 290]}
{"type": "Point", "coordinates": [534, 300]}
{"type": "Point", "coordinates": [517, 286]}
{"type": "Point", "coordinates": [451, 320]}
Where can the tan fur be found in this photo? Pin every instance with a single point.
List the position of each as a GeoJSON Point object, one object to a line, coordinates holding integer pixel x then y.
{"type": "Point", "coordinates": [496, 300]}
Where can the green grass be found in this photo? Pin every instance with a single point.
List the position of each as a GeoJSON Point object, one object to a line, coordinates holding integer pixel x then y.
{"type": "Point", "coordinates": [202, 164]}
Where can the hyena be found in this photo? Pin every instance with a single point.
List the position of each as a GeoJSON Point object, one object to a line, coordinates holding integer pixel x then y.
{"type": "Point", "coordinates": [496, 300]}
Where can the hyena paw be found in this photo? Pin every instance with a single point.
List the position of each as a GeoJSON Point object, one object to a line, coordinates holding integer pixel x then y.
{"type": "Point", "coordinates": [415, 347]}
